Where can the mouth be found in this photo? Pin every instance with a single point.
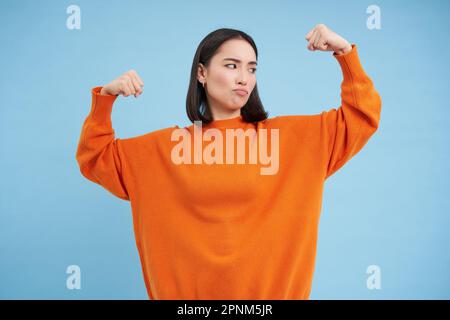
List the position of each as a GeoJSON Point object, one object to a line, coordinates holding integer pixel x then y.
{"type": "Point", "coordinates": [241, 92]}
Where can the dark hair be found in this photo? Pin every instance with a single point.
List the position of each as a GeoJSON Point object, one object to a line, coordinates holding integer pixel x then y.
{"type": "Point", "coordinates": [197, 107]}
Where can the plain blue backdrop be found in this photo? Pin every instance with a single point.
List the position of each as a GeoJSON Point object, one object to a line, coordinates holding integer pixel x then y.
{"type": "Point", "coordinates": [389, 206]}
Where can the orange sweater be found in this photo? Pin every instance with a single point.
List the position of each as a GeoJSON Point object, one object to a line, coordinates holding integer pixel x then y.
{"type": "Point", "coordinates": [227, 231]}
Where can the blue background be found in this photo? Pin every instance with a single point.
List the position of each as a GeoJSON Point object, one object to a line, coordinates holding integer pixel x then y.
{"type": "Point", "coordinates": [389, 206]}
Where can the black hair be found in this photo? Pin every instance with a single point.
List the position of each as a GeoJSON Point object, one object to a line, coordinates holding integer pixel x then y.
{"type": "Point", "coordinates": [197, 107]}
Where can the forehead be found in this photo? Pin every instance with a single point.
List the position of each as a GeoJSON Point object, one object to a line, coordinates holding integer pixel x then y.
{"type": "Point", "coordinates": [236, 48]}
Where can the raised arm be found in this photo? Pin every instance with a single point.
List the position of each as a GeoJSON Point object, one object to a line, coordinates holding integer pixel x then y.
{"type": "Point", "coordinates": [348, 128]}
{"type": "Point", "coordinates": [100, 155]}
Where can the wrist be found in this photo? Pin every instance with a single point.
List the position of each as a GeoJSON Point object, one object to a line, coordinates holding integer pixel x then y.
{"type": "Point", "coordinates": [344, 50]}
{"type": "Point", "coordinates": [104, 92]}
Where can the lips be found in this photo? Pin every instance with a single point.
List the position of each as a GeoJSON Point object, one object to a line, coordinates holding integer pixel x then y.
{"type": "Point", "coordinates": [241, 92]}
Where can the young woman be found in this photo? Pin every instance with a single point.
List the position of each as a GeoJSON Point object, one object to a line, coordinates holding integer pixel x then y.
{"type": "Point", "coordinates": [208, 225]}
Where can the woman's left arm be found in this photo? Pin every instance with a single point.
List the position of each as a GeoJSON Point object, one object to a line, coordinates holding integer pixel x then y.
{"type": "Point", "coordinates": [348, 128]}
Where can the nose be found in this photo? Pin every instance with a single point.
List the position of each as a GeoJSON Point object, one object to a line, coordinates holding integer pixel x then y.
{"type": "Point", "coordinates": [242, 77]}
{"type": "Point", "coordinates": [242, 80]}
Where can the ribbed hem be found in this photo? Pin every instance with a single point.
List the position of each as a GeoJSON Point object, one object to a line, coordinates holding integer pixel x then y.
{"type": "Point", "coordinates": [350, 64]}
{"type": "Point", "coordinates": [101, 107]}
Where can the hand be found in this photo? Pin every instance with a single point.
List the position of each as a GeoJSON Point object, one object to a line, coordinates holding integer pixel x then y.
{"type": "Point", "coordinates": [324, 39]}
{"type": "Point", "coordinates": [127, 84]}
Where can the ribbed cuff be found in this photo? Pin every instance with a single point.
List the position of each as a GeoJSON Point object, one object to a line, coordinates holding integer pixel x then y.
{"type": "Point", "coordinates": [101, 107]}
{"type": "Point", "coordinates": [350, 64]}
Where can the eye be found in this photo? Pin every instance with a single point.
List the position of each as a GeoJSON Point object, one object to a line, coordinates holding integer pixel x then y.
{"type": "Point", "coordinates": [233, 64]}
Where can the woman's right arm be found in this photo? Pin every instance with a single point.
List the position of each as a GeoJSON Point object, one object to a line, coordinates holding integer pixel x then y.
{"type": "Point", "coordinates": [100, 154]}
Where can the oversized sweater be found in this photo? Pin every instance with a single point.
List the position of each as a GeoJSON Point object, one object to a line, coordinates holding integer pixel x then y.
{"type": "Point", "coordinates": [232, 229]}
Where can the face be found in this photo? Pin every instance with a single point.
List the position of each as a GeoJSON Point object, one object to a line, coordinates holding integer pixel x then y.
{"type": "Point", "coordinates": [232, 67]}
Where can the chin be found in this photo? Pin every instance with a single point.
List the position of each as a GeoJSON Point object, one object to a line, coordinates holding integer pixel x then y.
{"type": "Point", "coordinates": [238, 106]}
{"type": "Point", "coordinates": [234, 107]}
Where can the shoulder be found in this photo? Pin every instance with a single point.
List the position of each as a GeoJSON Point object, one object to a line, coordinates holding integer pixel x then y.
{"type": "Point", "coordinates": [291, 121]}
{"type": "Point", "coordinates": [150, 137]}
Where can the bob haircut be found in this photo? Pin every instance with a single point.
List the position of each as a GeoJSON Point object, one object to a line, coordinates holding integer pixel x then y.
{"type": "Point", "coordinates": [197, 107]}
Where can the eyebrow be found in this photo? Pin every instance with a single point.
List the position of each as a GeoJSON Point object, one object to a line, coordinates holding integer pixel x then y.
{"type": "Point", "coordinates": [239, 61]}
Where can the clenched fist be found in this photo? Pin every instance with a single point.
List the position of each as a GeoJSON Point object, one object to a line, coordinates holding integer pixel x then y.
{"type": "Point", "coordinates": [127, 84]}
{"type": "Point", "coordinates": [324, 39]}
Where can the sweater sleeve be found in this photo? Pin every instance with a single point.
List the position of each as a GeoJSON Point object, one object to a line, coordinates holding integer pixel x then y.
{"type": "Point", "coordinates": [348, 128]}
{"type": "Point", "coordinates": [99, 154]}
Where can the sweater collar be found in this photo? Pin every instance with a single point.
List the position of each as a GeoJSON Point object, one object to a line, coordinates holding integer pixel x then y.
{"type": "Point", "coordinates": [235, 122]}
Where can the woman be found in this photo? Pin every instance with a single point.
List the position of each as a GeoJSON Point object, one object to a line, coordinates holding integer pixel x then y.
{"type": "Point", "coordinates": [221, 229]}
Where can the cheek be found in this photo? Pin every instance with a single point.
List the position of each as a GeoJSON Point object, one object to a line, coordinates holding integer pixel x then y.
{"type": "Point", "coordinates": [224, 80]}
{"type": "Point", "coordinates": [222, 86]}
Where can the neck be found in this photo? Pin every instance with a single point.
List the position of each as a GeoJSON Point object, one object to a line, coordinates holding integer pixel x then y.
{"type": "Point", "coordinates": [224, 115]}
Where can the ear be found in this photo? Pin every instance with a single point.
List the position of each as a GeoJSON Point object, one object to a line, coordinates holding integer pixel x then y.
{"type": "Point", "coordinates": [201, 73]}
